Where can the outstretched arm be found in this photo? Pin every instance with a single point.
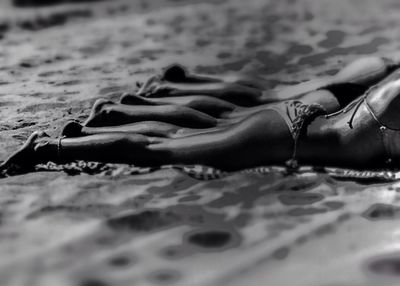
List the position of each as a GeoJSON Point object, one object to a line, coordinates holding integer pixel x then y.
{"type": "Point", "coordinates": [247, 90]}
{"type": "Point", "coordinates": [364, 71]}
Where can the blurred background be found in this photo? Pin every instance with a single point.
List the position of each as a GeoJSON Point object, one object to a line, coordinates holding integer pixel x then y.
{"type": "Point", "coordinates": [167, 228]}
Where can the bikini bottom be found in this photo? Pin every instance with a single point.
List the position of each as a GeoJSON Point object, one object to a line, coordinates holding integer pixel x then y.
{"type": "Point", "coordinates": [297, 116]}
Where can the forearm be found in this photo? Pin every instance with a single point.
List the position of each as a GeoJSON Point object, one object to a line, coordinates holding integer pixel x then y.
{"type": "Point", "coordinates": [364, 71]}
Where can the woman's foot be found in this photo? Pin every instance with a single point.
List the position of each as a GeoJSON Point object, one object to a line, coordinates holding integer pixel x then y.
{"type": "Point", "coordinates": [98, 112]}
{"type": "Point", "coordinates": [175, 73]}
{"type": "Point", "coordinates": [149, 85]}
{"type": "Point", "coordinates": [72, 129]}
{"type": "Point", "coordinates": [133, 99]}
{"type": "Point", "coordinates": [155, 86]}
{"type": "Point", "coordinates": [27, 156]}
{"type": "Point", "coordinates": [178, 74]}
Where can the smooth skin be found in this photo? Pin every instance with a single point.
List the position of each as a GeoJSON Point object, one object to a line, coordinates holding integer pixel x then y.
{"type": "Point", "coordinates": [210, 111]}
{"type": "Point", "coordinates": [246, 90]}
{"type": "Point", "coordinates": [262, 138]}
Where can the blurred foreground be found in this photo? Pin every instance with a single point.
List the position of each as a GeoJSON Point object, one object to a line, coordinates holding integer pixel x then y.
{"type": "Point", "coordinates": [166, 228]}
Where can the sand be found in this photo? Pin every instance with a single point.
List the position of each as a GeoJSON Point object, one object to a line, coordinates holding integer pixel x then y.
{"type": "Point", "coordinates": [167, 228]}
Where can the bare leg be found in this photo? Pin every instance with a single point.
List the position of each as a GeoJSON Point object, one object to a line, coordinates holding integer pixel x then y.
{"type": "Point", "coordinates": [323, 97]}
{"type": "Point", "coordinates": [178, 74]}
{"type": "Point", "coordinates": [210, 105]}
{"type": "Point", "coordinates": [232, 92]}
{"type": "Point", "coordinates": [261, 139]}
{"type": "Point", "coordinates": [364, 71]}
{"type": "Point", "coordinates": [149, 128]}
{"type": "Point", "coordinates": [29, 154]}
{"type": "Point", "coordinates": [106, 113]}
{"type": "Point", "coordinates": [223, 109]}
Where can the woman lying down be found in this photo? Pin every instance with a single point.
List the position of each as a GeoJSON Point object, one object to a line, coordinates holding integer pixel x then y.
{"type": "Point", "coordinates": [351, 119]}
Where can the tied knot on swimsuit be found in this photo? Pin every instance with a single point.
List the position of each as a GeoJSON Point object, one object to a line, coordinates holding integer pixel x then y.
{"type": "Point", "coordinates": [299, 116]}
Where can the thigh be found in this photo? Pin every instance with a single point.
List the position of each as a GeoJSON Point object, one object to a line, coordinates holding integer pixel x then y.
{"type": "Point", "coordinates": [148, 128]}
{"type": "Point", "coordinates": [210, 105]}
{"type": "Point", "coordinates": [262, 138]}
{"type": "Point", "coordinates": [119, 114]}
{"type": "Point", "coordinates": [366, 71]}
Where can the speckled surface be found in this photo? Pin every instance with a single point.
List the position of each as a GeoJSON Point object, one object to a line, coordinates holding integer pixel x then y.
{"type": "Point", "coordinates": [166, 228]}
